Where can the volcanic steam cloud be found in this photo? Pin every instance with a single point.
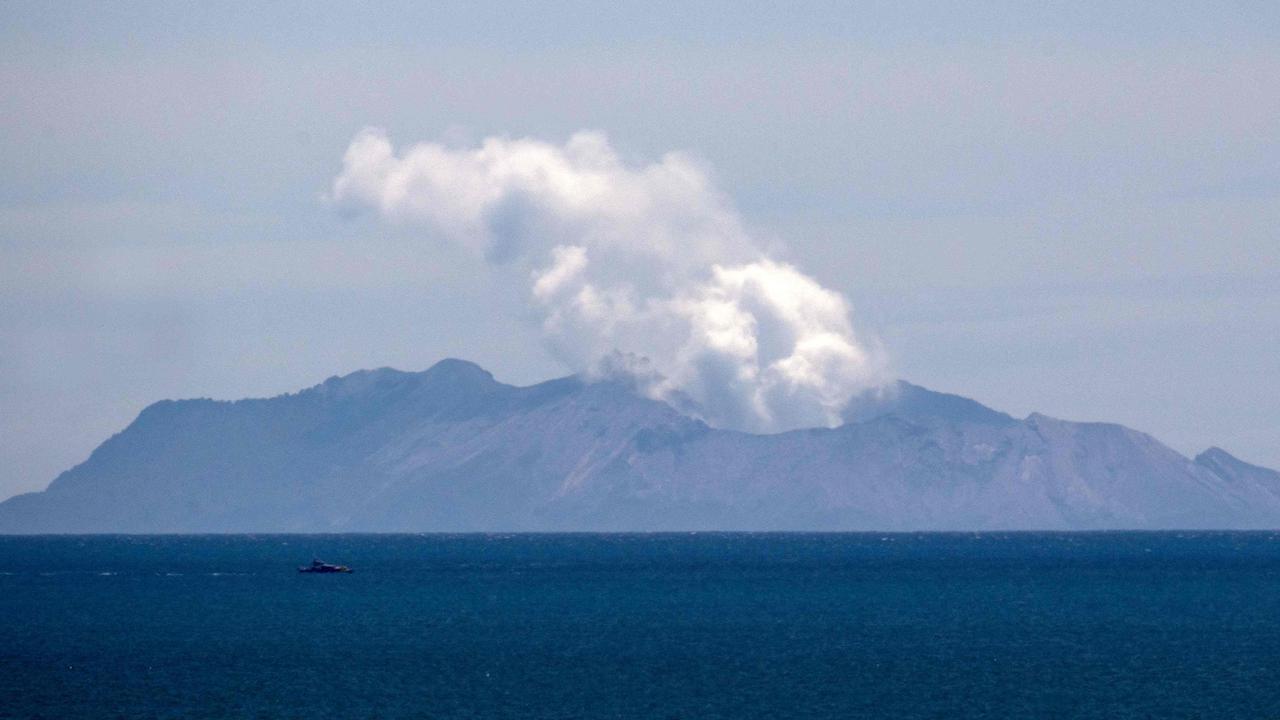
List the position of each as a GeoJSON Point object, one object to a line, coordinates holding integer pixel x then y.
{"type": "Point", "coordinates": [644, 270]}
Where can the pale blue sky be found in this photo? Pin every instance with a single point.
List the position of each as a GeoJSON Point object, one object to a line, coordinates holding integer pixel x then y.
{"type": "Point", "coordinates": [1071, 209]}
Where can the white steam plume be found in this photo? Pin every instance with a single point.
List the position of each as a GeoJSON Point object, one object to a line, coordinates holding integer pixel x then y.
{"type": "Point", "coordinates": [642, 269]}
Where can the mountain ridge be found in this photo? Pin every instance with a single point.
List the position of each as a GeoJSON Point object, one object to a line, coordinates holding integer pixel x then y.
{"type": "Point", "coordinates": [451, 448]}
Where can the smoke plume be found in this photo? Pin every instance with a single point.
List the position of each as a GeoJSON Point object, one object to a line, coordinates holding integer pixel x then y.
{"type": "Point", "coordinates": [642, 270]}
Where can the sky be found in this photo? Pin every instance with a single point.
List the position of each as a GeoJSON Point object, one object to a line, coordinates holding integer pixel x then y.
{"type": "Point", "coordinates": [1070, 208]}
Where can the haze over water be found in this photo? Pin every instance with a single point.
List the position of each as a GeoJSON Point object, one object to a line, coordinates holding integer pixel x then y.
{"type": "Point", "coordinates": [664, 626]}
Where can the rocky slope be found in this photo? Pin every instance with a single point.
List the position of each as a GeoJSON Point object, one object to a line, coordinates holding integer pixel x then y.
{"type": "Point", "coordinates": [451, 449]}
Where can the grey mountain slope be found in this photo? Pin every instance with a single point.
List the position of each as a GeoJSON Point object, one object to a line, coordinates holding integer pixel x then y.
{"type": "Point", "coordinates": [1258, 479]}
{"type": "Point", "coordinates": [912, 402]}
{"type": "Point", "coordinates": [452, 449]}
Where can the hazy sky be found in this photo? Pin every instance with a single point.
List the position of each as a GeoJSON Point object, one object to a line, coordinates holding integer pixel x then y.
{"type": "Point", "coordinates": [1067, 208]}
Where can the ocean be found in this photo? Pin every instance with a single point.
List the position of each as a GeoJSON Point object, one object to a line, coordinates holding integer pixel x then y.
{"type": "Point", "coordinates": [868, 625]}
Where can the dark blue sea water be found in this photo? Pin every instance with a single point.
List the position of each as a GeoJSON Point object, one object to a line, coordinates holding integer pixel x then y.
{"type": "Point", "coordinates": [1116, 625]}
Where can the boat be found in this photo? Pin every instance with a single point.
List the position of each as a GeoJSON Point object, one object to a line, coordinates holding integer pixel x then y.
{"type": "Point", "coordinates": [322, 567]}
